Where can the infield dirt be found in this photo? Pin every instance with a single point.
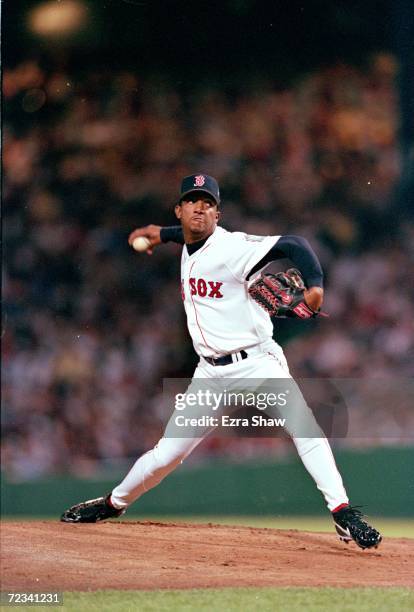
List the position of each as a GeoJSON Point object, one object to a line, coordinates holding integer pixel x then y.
{"type": "Point", "coordinates": [45, 556]}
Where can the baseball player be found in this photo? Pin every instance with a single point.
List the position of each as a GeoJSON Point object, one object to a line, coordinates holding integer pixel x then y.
{"type": "Point", "coordinates": [228, 300]}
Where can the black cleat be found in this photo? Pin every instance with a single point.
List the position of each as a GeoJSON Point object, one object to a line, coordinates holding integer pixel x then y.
{"type": "Point", "coordinates": [350, 526]}
{"type": "Point", "coordinates": [91, 511]}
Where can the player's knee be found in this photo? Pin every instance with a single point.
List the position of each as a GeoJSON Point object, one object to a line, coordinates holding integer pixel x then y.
{"type": "Point", "coordinates": [306, 445]}
{"type": "Point", "coordinates": [167, 454]}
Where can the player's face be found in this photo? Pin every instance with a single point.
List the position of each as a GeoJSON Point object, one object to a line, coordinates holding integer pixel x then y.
{"type": "Point", "coordinates": [198, 215]}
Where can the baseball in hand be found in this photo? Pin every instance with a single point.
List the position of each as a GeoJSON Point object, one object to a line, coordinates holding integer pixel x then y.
{"type": "Point", "coordinates": [141, 244]}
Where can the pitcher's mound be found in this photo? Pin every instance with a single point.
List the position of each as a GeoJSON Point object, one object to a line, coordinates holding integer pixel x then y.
{"type": "Point", "coordinates": [46, 556]}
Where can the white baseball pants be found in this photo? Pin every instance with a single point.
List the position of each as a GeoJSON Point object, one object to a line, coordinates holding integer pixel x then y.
{"type": "Point", "coordinates": [264, 362]}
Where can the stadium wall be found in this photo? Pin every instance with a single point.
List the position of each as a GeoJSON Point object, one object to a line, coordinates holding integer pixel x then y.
{"type": "Point", "coordinates": [378, 479]}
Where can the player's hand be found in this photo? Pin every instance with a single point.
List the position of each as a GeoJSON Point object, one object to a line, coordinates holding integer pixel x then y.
{"type": "Point", "coordinates": [313, 297]}
{"type": "Point", "coordinates": [151, 232]}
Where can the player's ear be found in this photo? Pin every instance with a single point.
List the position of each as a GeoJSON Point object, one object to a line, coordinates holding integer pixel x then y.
{"type": "Point", "coordinates": [218, 215]}
{"type": "Point", "coordinates": [178, 211]}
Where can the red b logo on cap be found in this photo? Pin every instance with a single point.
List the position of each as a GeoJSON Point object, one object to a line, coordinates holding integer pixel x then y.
{"type": "Point", "coordinates": [199, 180]}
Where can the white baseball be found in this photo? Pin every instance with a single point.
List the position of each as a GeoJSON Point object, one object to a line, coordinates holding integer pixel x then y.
{"type": "Point", "coordinates": [141, 244]}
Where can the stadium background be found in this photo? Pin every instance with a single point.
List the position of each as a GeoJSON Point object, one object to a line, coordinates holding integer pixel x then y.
{"type": "Point", "coordinates": [304, 114]}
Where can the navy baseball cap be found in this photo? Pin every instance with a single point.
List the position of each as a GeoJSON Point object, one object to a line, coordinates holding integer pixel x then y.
{"type": "Point", "coordinates": [200, 182]}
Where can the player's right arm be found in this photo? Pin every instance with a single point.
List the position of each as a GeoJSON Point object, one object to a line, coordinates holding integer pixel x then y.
{"type": "Point", "coordinates": [157, 235]}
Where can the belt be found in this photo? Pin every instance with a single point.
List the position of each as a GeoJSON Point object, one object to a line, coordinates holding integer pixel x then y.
{"type": "Point", "coordinates": [226, 359]}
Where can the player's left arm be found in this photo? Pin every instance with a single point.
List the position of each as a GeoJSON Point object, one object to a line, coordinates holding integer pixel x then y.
{"type": "Point", "coordinates": [301, 254]}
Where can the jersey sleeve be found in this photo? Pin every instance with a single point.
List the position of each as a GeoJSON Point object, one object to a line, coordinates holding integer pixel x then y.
{"type": "Point", "coordinates": [244, 251]}
{"type": "Point", "coordinates": [300, 253]}
{"type": "Point", "coordinates": [172, 233]}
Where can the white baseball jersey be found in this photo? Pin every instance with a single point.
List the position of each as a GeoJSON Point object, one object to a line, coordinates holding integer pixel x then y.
{"type": "Point", "coordinates": [221, 316]}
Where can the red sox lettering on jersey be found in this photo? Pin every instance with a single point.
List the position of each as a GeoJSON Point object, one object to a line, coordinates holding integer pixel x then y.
{"type": "Point", "coordinates": [221, 317]}
{"type": "Point", "coordinates": [203, 288]}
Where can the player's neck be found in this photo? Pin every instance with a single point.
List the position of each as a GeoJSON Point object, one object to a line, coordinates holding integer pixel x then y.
{"type": "Point", "coordinates": [191, 237]}
{"type": "Point", "coordinates": [192, 247]}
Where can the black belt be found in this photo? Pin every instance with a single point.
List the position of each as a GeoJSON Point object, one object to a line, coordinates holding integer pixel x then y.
{"type": "Point", "coordinates": [226, 359]}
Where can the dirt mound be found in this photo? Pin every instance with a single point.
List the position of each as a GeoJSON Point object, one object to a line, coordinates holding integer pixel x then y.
{"type": "Point", "coordinates": [44, 556]}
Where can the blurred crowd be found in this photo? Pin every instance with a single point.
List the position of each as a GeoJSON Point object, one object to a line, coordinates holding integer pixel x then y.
{"type": "Point", "coordinates": [90, 328]}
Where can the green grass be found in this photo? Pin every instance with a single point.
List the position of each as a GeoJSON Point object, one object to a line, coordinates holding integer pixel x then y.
{"type": "Point", "coordinates": [245, 599]}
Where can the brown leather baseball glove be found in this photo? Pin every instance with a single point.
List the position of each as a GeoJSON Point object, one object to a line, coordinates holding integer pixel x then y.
{"type": "Point", "coordinates": [282, 295]}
